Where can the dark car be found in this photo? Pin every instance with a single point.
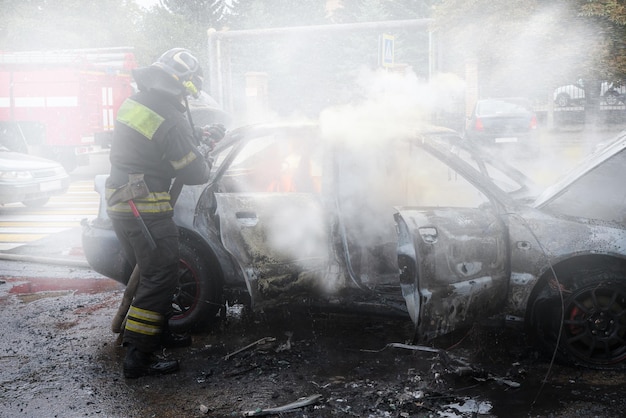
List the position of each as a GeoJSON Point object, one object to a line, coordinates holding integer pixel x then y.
{"type": "Point", "coordinates": [30, 180]}
{"type": "Point", "coordinates": [504, 124]}
{"type": "Point", "coordinates": [420, 226]}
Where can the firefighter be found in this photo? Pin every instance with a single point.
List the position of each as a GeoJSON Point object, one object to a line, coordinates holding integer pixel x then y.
{"type": "Point", "coordinates": [153, 143]}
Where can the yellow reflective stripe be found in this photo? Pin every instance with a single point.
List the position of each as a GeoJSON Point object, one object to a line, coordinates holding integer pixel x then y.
{"type": "Point", "coordinates": [151, 197]}
{"type": "Point", "coordinates": [145, 314]}
{"type": "Point", "coordinates": [143, 208]}
{"type": "Point", "coordinates": [108, 192]}
{"type": "Point", "coordinates": [140, 328]}
{"type": "Point", "coordinates": [183, 162]}
{"type": "Point", "coordinates": [153, 203]}
{"type": "Point", "coordinates": [139, 117]}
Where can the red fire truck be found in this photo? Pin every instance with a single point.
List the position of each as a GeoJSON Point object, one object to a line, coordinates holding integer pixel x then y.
{"type": "Point", "coordinates": [62, 104]}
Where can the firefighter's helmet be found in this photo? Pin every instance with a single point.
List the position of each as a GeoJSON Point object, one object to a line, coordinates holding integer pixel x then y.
{"type": "Point", "coordinates": [181, 64]}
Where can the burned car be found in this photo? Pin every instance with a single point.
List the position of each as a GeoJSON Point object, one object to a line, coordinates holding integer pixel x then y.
{"type": "Point", "coordinates": [417, 225]}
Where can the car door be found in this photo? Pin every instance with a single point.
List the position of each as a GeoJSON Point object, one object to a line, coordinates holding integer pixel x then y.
{"type": "Point", "coordinates": [271, 217]}
{"type": "Point", "coordinates": [452, 251]}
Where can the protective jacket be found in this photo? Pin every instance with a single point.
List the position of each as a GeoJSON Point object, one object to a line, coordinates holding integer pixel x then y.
{"type": "Point", "coordinates": [153, 137]}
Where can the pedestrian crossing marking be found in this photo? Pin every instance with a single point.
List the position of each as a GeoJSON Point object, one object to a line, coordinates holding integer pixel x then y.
{"type": "Point", "coordinates": [20, 225]}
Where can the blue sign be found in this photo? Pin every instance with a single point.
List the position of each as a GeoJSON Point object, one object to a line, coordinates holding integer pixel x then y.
{"type": "Point", "coordinates": [386, 50]}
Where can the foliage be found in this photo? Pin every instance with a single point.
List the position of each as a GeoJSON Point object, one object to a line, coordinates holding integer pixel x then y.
{"type": "Point", "coordinates": [520, 45]}
{"type": "Point", "coordinates": [610, 17]}
{"type": "Point", "coordinates": [533, 44]}
{"type": "Point", "coordinates": [66, 24]}
{"type": "Point", "coordinates": [258, 14]}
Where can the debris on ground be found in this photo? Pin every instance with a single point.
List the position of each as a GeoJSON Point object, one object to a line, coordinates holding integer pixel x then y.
{"type": "Point", "coordinates": [290, 407]}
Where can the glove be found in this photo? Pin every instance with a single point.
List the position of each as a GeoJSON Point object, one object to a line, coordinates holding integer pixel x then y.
{"type": "Point", "coordinates": [213, 133]}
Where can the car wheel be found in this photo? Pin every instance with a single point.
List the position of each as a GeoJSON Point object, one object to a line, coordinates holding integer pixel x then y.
{"type": "Point", "coordinates": [611, 98]}
{"type": "Point", "coordinates": [197, 298]}
{"type": "Point", "coordinates": [592, 323]}
{"type": "Point", "coordinates": [36, 203]}
{"type": "Point", "coordinates": [562, 99]}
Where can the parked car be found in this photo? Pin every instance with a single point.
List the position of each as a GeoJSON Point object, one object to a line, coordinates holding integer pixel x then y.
{"type": "Point", "coordinates": [574, 94]}
{"type": "Point", "coordinates": [613, 93]}
{"type": "Point", "coordinates": [503, 124]}
{"type": "Point", "coordinates": [422, 226]}
{"type": "Point", "coordinates": [29, 179]}
{"type": "Point", "coordinates": [570, 95]}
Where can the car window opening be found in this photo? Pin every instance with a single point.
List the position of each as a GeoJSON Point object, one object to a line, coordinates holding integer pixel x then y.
{"type": "Point", "coordinates": [275, 164]}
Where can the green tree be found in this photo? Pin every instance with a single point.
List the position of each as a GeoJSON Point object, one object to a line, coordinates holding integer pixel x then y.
{"type": "Point", "coordinates": [207, 13]}
{"type": "Point", "coordinates": [610, 17]}
{"type": "Point", "coordinates": [293, 63]}
{"type": "Point", "coordinates": [258, 14]}
{"type": "Point", "coordinates": [179, 23]}
{"type": "Point", "coordinates": [64, 24]}
{"type": "Point", "coordinates": [528, 45]}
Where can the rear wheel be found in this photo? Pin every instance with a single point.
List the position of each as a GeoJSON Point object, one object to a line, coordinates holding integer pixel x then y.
{"type": "Point", "coordinates": [197, 298]}
{"type": "Point", "coordinates": [611, 98]}
{"type": "Point", "coordinates": [592, 322]}
{"type": "Point", "coordinates": [562, 99]}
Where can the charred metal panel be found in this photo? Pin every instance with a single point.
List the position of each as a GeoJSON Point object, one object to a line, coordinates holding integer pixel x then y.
{"type": "Point", "coordinates": [280, 241]}
{"type": "Point", "coordinates": [461, 264]}
{"type": "Point", "coordinates": [541, 242]}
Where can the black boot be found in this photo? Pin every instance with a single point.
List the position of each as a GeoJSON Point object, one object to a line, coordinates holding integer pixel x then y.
{"type": "Point", "coordinates": [138, 363]}
{"type": "Point", "coordinates": [170, 340]}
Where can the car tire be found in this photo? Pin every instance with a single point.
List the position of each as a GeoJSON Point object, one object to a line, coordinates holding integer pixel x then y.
{"type": "Point", "coordinates": [36, 203]}
{"type": "Point", "coordinates": [197, 298]}
{"type": "Point", "coordinates": [590, 330]}
{"type": "Point", "coordinates": [611, 98]}
{"type": "Point", "coordinates": [562, 99]}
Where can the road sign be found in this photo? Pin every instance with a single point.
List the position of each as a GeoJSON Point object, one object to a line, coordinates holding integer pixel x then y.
{"type": "Point", "coordinates": [386, 50]}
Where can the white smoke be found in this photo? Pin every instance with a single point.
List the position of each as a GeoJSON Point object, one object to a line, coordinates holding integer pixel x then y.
{"type": "Point", "coordinates": [392, 103]}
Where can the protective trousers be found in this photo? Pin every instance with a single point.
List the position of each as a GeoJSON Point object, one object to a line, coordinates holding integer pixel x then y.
{"type": "Point", "coordinates": [147, 317]}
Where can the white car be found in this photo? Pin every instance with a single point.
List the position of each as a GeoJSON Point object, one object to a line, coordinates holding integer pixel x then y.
{"type": "Point", "coordinates": [569, 95]}
{"type": "Point", "coordinates": [29, 179]}
{"type": "Point", "coordinates": [574, 94]}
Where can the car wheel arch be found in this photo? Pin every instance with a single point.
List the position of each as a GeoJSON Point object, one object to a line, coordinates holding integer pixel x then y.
{"type": "Point", "coordinates": [193, 239]}
{"type": "Point", "coordinates": [562, 99]}
{"type": "Point", "coordinates": [611, 97]}
{"type": "Point", "coordinates": [573, 275]}
{"type": "Point", "coordinates": [196, 259]}
{"type": "Point", "coordinates": [564, 269]}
